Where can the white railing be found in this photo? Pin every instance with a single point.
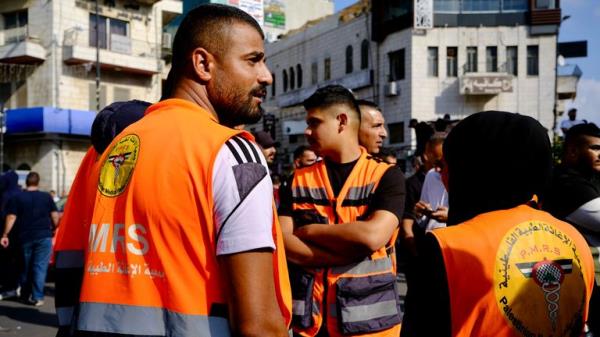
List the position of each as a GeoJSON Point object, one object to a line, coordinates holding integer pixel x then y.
{"type": "Point", "coordinates": [13, 35]}
{"type": "Point", "coordinates": [116, 44]}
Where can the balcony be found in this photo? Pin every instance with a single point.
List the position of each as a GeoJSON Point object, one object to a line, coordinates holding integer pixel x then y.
{"type": "Point", "coordinates": [122, 53]}
{"type": "Point", "coordinates": [485, 83]}
{"type": "Point", "coordinates": [17, 46]}
{"type": "Point", "coordinates": [568, 77]}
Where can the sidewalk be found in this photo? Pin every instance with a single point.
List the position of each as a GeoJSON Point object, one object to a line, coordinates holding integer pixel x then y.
{"type": "Point", "coordinates": [20, 319]}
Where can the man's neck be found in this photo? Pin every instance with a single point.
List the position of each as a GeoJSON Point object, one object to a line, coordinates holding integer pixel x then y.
{"type": "Point", "coordinates": [31, 188]}
{"type": "Point", "coordinates": [191, 91]}
{"type": "Point", "coordinates": [346, 154]}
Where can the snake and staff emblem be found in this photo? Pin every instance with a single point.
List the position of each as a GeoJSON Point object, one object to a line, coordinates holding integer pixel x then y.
{"type": "Point", "coordinates": [118, 160]}
{"type": "Point", "coordinates": [548, 275]}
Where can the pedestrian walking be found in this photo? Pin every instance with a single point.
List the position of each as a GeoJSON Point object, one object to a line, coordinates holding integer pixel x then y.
{"type": "Point", "coordinates": [33, 215]}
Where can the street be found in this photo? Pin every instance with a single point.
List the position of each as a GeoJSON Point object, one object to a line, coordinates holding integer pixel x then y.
{"type": "Point", "coordinates": [20, 319]}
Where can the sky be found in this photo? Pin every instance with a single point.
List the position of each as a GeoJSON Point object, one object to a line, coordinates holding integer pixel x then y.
{"type": "Point", "coordinates": [584, 24]}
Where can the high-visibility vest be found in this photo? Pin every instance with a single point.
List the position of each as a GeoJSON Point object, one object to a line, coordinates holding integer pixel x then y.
{"type": "Point", "coordinates": [357, 299]}
{"type": "Point", "coordinates": [71, 237]}
{"type": "Point", "coordinates": [151, 266]}
{"type": "Point", "coordinates": [516, 272]}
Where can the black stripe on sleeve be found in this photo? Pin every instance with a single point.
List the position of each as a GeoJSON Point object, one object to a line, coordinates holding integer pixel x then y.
{"type": "Point", "coordinates": [234, 152]}
{"type": "Point", "coordinates": [244, 149]}
{"type": "Point", "coordinates": [253, 148]}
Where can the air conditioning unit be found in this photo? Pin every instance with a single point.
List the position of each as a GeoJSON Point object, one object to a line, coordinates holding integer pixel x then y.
{"type": "Point", "coordinates": [392, 88]}
{"type": "Point", "coordinates": [167, 41]}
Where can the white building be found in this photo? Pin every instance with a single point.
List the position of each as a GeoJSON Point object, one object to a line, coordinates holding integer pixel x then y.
{"type": "Point", "coordinates": [453, 57]}
{"type": "Point", "coordinates": [48, 74]}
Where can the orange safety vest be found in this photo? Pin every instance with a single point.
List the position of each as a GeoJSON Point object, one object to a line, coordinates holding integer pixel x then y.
{"type": "Point", "coordinates": [151, 266]}
{"type": "Point", "coordinates": [516, 272]}
{"type": "Point", "coordinates": [360, 298]}
{"type": "Point", "coordinates": [71, 237]}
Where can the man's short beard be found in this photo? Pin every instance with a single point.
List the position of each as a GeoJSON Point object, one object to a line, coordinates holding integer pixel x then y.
{"type": "Point", "coordinates": [233, 116]}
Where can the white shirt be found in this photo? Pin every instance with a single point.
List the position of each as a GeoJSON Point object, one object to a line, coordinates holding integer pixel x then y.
{"type": "Point", "coordinates": [567, 123]}
{"type": "Point", "coordinates": [243, 198]}
{"type": "Point", "coordinates": [434, 193]}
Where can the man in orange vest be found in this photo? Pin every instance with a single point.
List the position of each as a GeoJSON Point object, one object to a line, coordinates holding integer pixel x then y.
{"type": "Point", "coordinates": [501, 267]}
{"type": "Point", "coordinates": [72, 235]}
{"type": "Point", "coordinates": [184, 240]}
{"type": "Point", "coordinates": [340, 223]}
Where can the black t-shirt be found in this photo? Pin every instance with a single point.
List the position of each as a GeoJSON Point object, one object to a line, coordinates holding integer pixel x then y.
{"type": "Point", "coordinates": [32, 209]}
{"type": "Point", "coordinates": [414, 185]}
{"type": "Point", "coordinates": [388, 196]}
{"type": "Point", "coordinates": [570, 190]}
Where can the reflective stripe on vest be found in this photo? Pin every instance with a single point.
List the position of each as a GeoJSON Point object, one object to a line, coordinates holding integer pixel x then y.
{"type": "Point", "coordinates": [65, 315]}
{"type": "Point", "coordinates": [358, 196]}
{"type": "Point", "coordinates": [366, 266]}
{"type": "Point", "coordinates": [298, 307]}
{"type": "Point", "coordinates": [369, 311]}
{"type": "Point", "coordinates": [69, 259]}
{"type": "Point", "coordinates": [138, 320]}
{"type": "Point", "coordinates": [316, 195]}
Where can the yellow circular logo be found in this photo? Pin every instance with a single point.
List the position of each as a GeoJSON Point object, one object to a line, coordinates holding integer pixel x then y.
{"type": "Point", "coordinates": [538, 281]}
{"type": "Point", "coordinates": [118, 167]}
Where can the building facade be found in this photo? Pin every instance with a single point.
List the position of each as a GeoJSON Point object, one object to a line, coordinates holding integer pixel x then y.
{"type": "Point", "coordinates": [48, 74]}
{"type": "Point", "coordinates": [421, 59]}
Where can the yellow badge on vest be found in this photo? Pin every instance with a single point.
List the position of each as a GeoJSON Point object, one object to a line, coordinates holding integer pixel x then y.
{"type": "Point", "coordinates": [538, 280]}
{"type": "Point", "coordinates": [118, 167]}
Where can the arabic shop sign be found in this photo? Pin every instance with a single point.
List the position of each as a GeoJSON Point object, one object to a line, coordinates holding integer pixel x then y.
{"type": "Point", "coordinates": [482, 84]}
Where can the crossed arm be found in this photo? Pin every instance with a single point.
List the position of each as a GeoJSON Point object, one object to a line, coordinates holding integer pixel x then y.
{"type": "Point", "coordinates": [322, 245]}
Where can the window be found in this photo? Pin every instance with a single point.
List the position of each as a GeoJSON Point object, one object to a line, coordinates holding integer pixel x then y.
{"type": "Point", "coordinates": [105, 36]}
{"type": "Point", "coordinates": [432, 61]}
{"type": "Point", "coordinates": [349, 65]}
{"type": "Point", "coordinates": [512, 60]}
{"type": "Point", "coordinates": [314, 73]}
{"type": "Point", "coordinates": [396, 59]}
{"type": "Point", "coordinates": [327, 69]}
{"type": "Point", "coordinates": [292, 79]}
{"type": "Point", "coordinates": [15, 19]}
{"type": "Point", "coordinates": [364, 54]}
{"type": "Point", "coordinates": [448, 6]}
{"type": "Point", "coordinates": [532, 60]}
{"type": "Point", "coordinates": [273, 86]}
{"type": "Point", "coordinates": [471, 66]}
{"type": "Point", "coordinates": [515, 5]}
{"type": "Point", "coordinates": [491, 59]}
{"type": "Point", "coordinates": [451, 61]}
{"type": "Point", "coordinates": [299, 74]}
{"type": "Point", "coordinates": [285, 81]}
{"type": "Point", "coordinates": [545, 4]}
{"type": "Point", "coordinates": [480, 5]}
{"type": "Point", "coordinates": [396, 132]}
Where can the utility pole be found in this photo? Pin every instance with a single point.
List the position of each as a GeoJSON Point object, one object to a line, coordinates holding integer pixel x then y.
{"type": "Point", "coordinates": [97, 59]}
{"type": "Point", "coordinates": [555, 108]}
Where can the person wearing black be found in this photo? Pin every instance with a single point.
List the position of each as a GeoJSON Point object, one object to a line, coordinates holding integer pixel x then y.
{"type": "Point", "coordinates": [333, 120]}
{"type": "Point", "coordinates": [10, 258]}
{"type": "Point", "coordinates": [496, 163]}
{"type": "Point", "coordinates": [575, 197]}
{"type": "Point", "coordinates": [34, 216]}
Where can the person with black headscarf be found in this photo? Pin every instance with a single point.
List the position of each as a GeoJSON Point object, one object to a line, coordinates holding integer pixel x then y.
{"type": "Point", "coordinates": [74, 226]}
{"type": "Point", "coordinates": [502, 267]}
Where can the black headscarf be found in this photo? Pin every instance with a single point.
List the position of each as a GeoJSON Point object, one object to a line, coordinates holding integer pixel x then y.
{"type": "Point", "coordinates": [111, 120]}
{"type": "Point", "coordinates": [496, 160]}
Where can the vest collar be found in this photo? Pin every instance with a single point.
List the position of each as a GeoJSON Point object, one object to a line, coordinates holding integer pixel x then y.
{"type": "Point", "coordinates": [180, 103]}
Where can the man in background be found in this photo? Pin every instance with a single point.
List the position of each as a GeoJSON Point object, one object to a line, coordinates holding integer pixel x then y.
{"type": "Point", "coordinates": [34, 216]}
{"type": "Point", "coordinates": [566, 124]}
{"type": "Point", "coordinates": [372, 131]}
{"type": "Point", "coordinates": [575, 197]}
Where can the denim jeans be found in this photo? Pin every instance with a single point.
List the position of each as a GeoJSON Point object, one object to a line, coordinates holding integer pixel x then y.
{"type": "Point", "coordinates": [36, 256]}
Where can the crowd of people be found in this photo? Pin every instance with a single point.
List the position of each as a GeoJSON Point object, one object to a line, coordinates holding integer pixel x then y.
{"type": "Point", "coordinates": [176, 226]}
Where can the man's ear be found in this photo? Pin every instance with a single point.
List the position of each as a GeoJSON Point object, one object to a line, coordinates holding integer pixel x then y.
{"type": "Point", "coordinates": [343, 121]}
{"type": "Point", "coordinates": [202, 63]}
